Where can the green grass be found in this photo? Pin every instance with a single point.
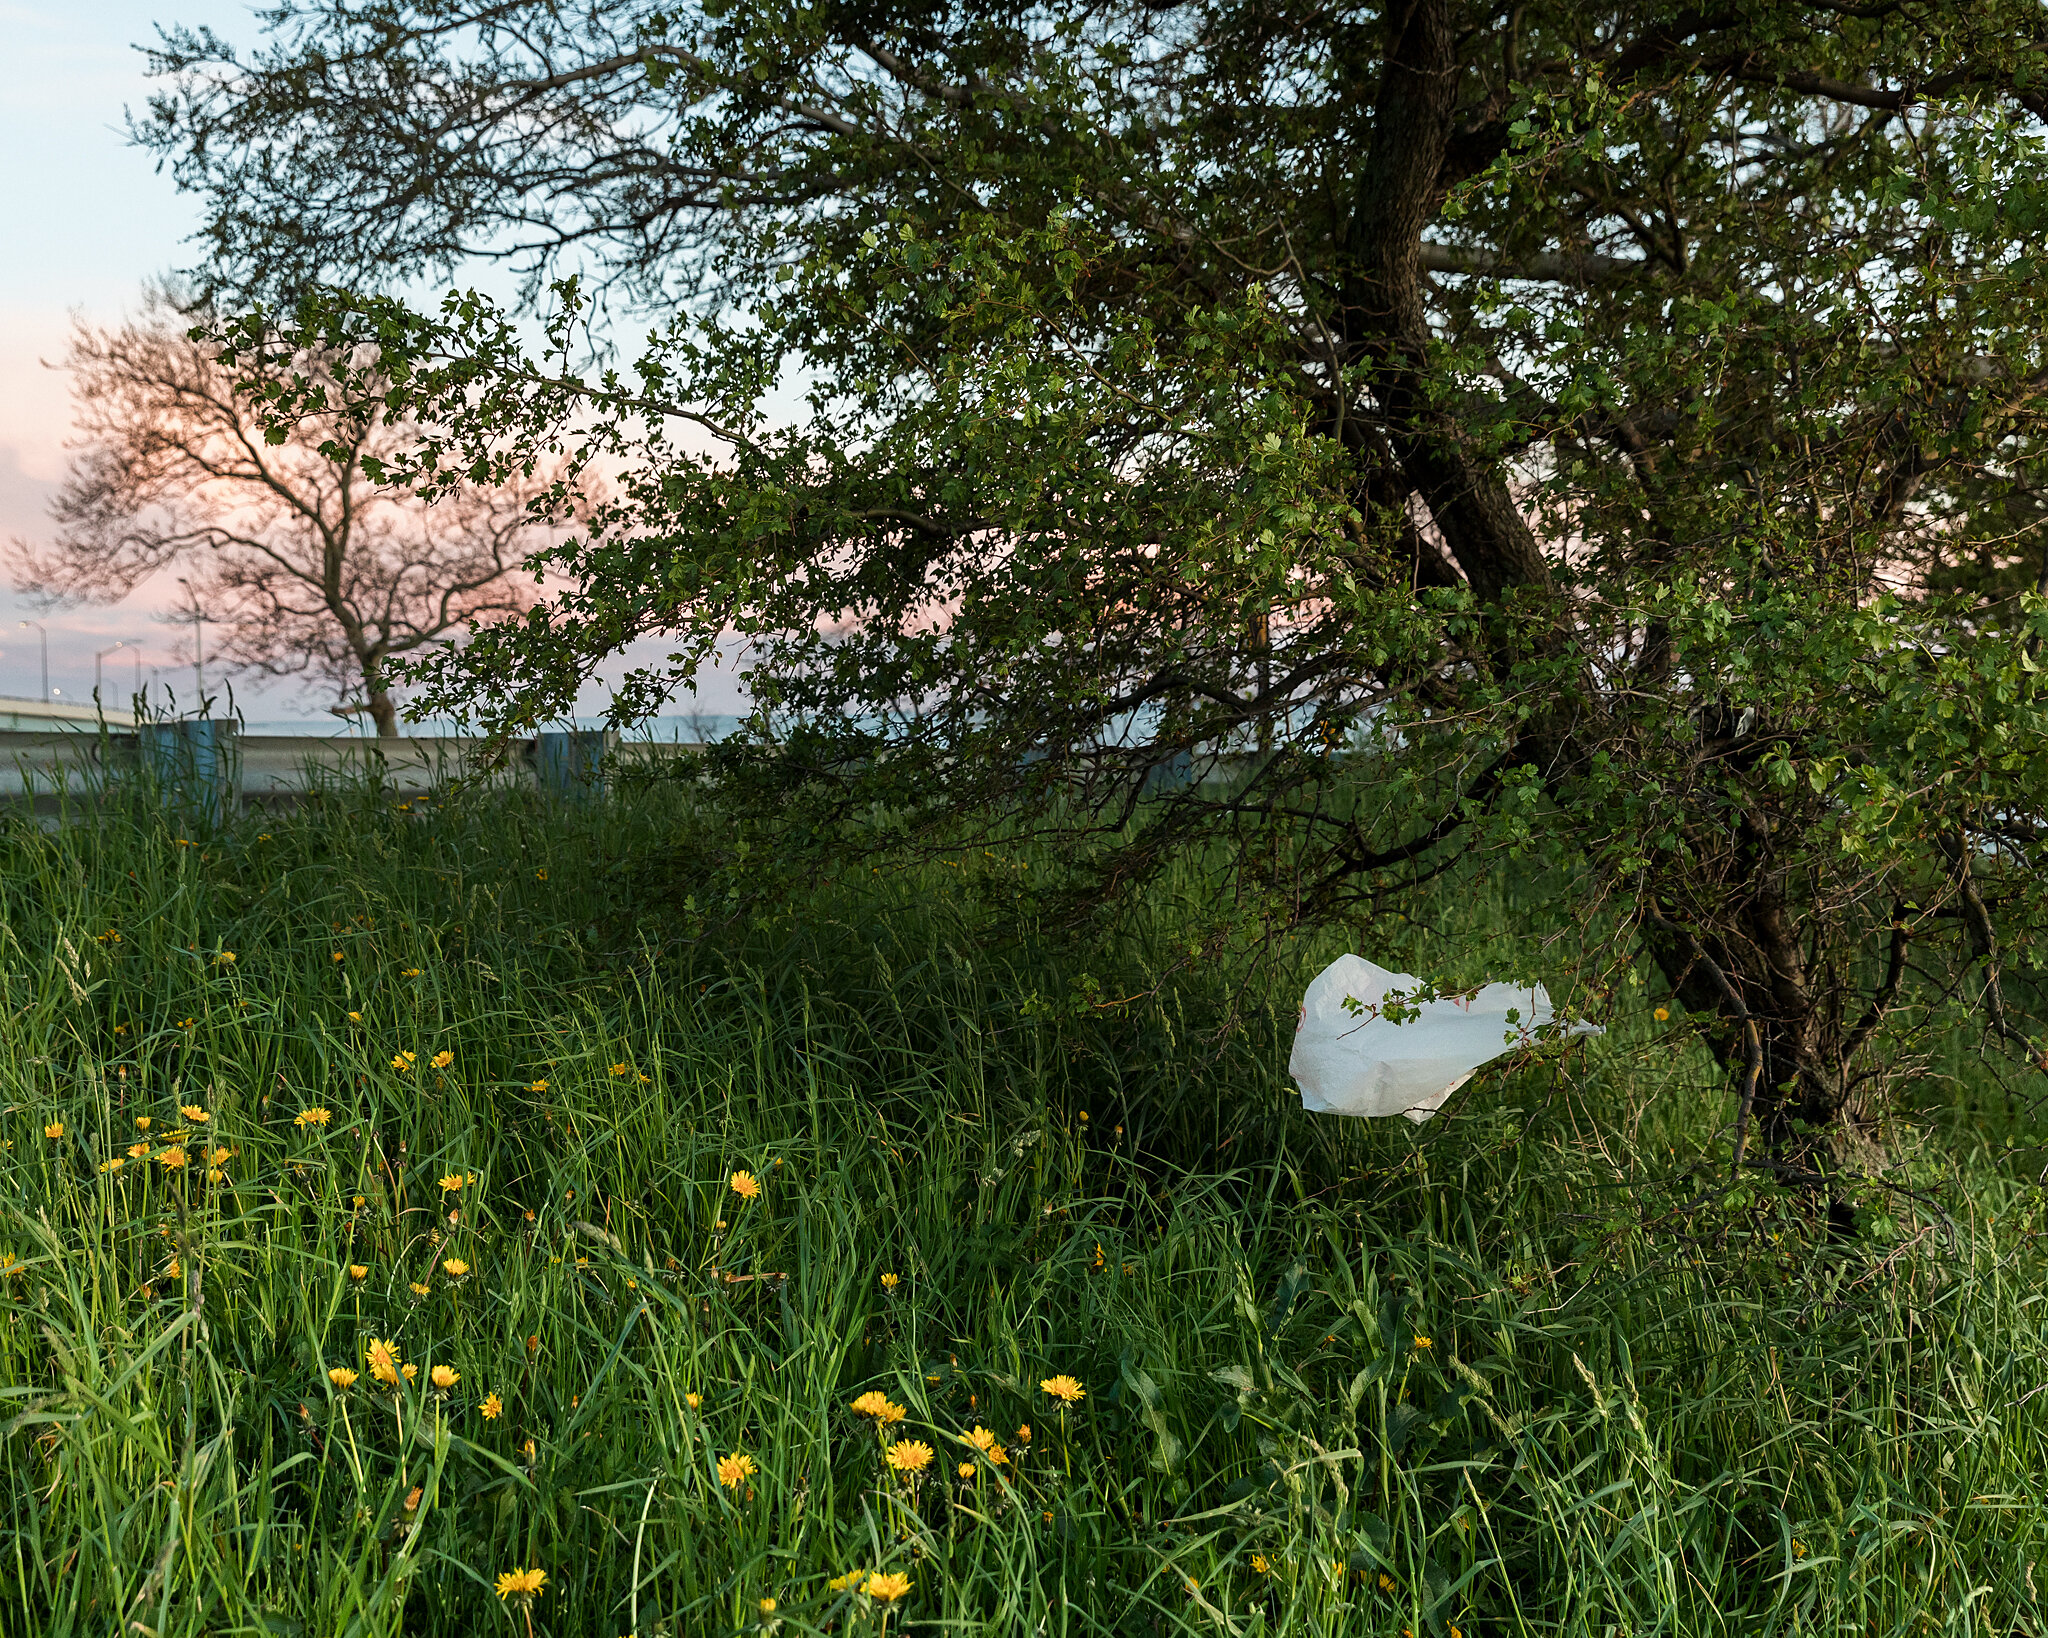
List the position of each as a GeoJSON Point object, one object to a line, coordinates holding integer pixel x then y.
{"type": "Point", "coordinates": [1627, 1417]}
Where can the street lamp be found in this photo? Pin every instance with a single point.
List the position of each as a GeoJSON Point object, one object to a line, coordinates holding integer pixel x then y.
{"type": "Point", "coordinates": [46, 653]}
{"type": "Point", "coordinates": [100, 657]}
{"type": "Point", "coordinates": [198, 619]}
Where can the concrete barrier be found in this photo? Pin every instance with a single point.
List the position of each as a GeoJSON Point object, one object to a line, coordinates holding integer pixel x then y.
{"type": "Point", "coordinates": [206, 766]}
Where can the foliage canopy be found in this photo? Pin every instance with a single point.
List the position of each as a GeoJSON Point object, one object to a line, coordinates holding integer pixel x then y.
{"type": "Point", "coordinates": [1610, 433]}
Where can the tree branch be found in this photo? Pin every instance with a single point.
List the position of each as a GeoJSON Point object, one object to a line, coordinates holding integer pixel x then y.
{"type": "Point", "coordinates": [1546, 267]}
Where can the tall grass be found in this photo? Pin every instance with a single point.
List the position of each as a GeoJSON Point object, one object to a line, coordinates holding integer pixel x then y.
{"type": "Point", "coordinates": [1506, 1375]}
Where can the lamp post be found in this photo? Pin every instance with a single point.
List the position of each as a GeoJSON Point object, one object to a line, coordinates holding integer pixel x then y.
{"type": "Point", "coordinates": [98, 660]}
{"type": "Point", "coordinates": [198, 619]}
{"type": "Point", "coordinates": [46, 653]}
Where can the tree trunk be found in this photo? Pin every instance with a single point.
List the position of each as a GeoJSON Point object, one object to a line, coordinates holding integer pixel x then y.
{"type": "Point", "coordinates": [1742, 960]}
{"type": "Point", "coordinates": [384, 712]}
{"type": "Point", "coordinates": [1746, 970]}
{"type": "Point", "coordinates": [1385, 320]}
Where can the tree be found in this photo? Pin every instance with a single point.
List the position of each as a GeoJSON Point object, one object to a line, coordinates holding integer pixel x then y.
{"type": "Point", "coordinates": [1537, 429]}
{"type": "Point", "coordinates": [309, 568]}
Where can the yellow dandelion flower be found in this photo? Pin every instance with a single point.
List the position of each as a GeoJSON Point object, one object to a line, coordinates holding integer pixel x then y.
{"type": "Point", "coordinates": [311, 1117]}
{"type": "Point", "coordinates": [745, 1186]}
{"type": "Point", "coordinates": [736, 1469]}
{"type": "Point", "coordinates": [540, 875]}
{"type": "Point", "coordinates": [967, 1470]}
{"type": "Point", "coordinates": [444, 1377]}
{"type": "Point", "coordinates": [137, 1150]}
{"type": "Point", "coordinates": [522, 1586]}
{"type": "Point", "coordinates": [219, 1157]}
{"type": "Point", "coordinates": [441, 1060]}
{"type": "Point", "coordinates": [172, 1158]}
{"type": "Point", "coordinates": [226, 958]}
{"type": "Point", "coordinates": [1260, 1566]}
{"type": "Point", "coordinates": [342, 1377]}
{"type": "Point", "coordinates": [618, 1069]}
{"type": "Point", "coordinates": [909, 1456]}
{"type": "Point", "coordinates": [54, 1130]}
{"type": "Point", "coordinates": [141, 1123]}
{"type": "Point", "coordinates": [1024, 1433]}
{"type": "Point", "coordinates": [493, 1407]}
{"type": "Point", "coordinates": [409, 1372]}
{"type": "Point", "coordinates": [192, 1112]}
{"type": "Point", "coordinates": [453, 1182]}
{"type": "Point", "coordinates": [767, 1606]}
{"type": "Point", "coordinates": [338, 956]}
{"type": "Point", "coordinates": [981, 1439]}
{"type": "Point", "coordinates": [383, 1361]}
{"type": "Point", "coordinates": [402, 1061]}
{"type": "Point", "coordinates": [113, 1165]}
{"type": "Point", "coordinates": [889, 1283]}
{"type": "Point", "coordinates": [355, 1018]}
{"type": "Point", "coordinates": [1064, 1388]}
{"type": "Point", "coordinates": [359, 1271]}
{"type": "Point", "coordinates": [887, 1587]}
{"type": "Point", "coordinates": [877, 1405]}
{"type": "Point", "coordinates": [537, 1086]}
{"type": "Point", "coordinates": [215, 1175]}
{"type": "Point", "coordinates": [410, 972]}
{"type": "Point", "coordinates": [454, 1267]}
{"type": "Point", "coordinates": [421, 1289]}
{"type": "Point", "coordinates": [1386, 1582]}
{"type": "Point", "coordinates": [1424, 1342]}
{"type": "Point", "coordinates": [693, 1400]}
{"type": "Point", "coordinates": [839, 1583]}
{"type": "Point", "coordinates": [1662, 1015]}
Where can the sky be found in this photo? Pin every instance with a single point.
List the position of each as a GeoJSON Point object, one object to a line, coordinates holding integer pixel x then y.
{"type": "Point", "coordinates": [94, 220]}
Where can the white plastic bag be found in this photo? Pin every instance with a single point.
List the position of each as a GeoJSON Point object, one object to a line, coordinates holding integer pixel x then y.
{"type": "Point", "coordinates": [1360, 1062]}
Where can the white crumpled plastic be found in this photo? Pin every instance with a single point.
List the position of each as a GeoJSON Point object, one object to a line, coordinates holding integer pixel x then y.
{"type": "Point", "coordinates": [1362, 1063]}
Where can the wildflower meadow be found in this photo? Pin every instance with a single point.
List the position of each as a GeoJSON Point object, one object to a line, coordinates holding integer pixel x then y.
{"type": "Point", "coordinates": [465, 1219]}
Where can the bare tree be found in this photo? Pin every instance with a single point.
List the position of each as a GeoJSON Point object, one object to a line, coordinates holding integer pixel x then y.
{"type": "Point", "coordinates": [307, 566]}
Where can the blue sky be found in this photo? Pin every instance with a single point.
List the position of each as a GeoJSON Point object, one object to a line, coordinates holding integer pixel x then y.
{"type": "Point", "coordinates": [93, 220]}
